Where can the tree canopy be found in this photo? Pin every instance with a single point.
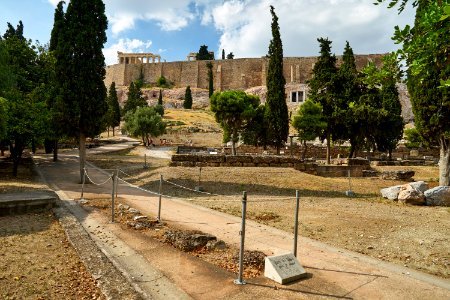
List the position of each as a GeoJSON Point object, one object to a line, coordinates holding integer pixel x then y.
{"type": "Point", "coordinates": [276, 111]}
{"type": "Point", "coordinates": [425, 50]}
{"type": "Point", "coordinates": [135, 98]}
{"type": "Point", "coordinates": [113, 114]}
{"type": "Point", "coordinates": [80, 70]}
{"type": "Point", "coordinates": [146, 123]}
{"type": "Point", "coordinates": [233, 110]}
{"type": "Point", "coordinates": [187, 104]}
{"type": "Point", "coordinates": [204, 54]}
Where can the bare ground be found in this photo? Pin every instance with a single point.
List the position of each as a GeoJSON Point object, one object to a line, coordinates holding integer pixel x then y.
{"type": "Point", "coordinates": [36, 259]}
{"type": "Point", "coordinates": [412, 236]}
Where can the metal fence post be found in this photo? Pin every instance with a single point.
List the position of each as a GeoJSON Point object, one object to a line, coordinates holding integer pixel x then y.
{"type": "Point", "coordinates": [117, 182]}
{"type": "Point", "coordinates": [240, 281]}
{"type": "Point", "coordinates": [297, 201]}
{"type": "Point", "coordinates": [160, 192]}
{"type": "Point", "coordinates": [113, 193]}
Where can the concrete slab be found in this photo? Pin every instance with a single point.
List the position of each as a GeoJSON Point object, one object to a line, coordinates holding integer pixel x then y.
{"type": "Point", "coordinates": [22, 202]}
{"type": "Point", "coordinates": [283, 268]}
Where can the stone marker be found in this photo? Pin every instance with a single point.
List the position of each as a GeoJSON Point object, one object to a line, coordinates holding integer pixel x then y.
{"type": "Point", "coordinates": [283, 268]}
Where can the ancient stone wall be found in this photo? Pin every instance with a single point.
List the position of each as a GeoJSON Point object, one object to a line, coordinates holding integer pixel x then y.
{"type": "Point", "coordinates": [228, 74]}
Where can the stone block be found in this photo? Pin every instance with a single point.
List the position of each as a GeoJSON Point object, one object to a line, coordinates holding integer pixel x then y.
{"type": "Point", "coordinates": [248, 165]}
{"type": "Point", "coordinates": [213, 164]}
{"type": "Point", "coordinates": [398, 175]}
{"type": "Point", "coordinates": [283, 268]}
{"type": "Point", "coordinates": [263, 165]}
{"type": "Point", "coordinates": [358, 162]}
{"type": "Point", "coordinates": [439, 195]}
{"type": "Point", "coordinates": [409, 195]}
{"type": "Point", "coordinates": [225, 164]}
{"type": "Point", "coordinates": [390, 193]}
{"type": "Point", "coordinates": [184, 157]}
{"type": "Point", "coordinates": [239, 158]}
{"type": "Point", "coordinates": [236, 164]}
{"type": "Point", "coordinates": [286, 165]}
{"type": "Point", "coordinates": [188, 163]}
{"type": "Point", "coordinates": [212, 158]}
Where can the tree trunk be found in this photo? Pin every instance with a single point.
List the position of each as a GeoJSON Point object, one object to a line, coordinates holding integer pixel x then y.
{"type": "Point", "coordinates": [113, 129]}
{"type": "Point", "coordinates": [82, 153]}
{"type": "Point", "coordinates": [390, 154]}
{"type": "Point", "coordinates": [33, 146]}
{"type": "Point", "coordinates": [16, 154]}
{"type": "Point", "coordinates": [444, 162]}
{"type": "Point", "coordinates": [108, 130]}
{"type": "Point", "coordinates": [352, 150]}
{"type": "Point", "coordinates": [328, 148]}
{"type": "Point", "coordinates": [55, 151]}
{"type": "Point", "coordinates": [305, 147]}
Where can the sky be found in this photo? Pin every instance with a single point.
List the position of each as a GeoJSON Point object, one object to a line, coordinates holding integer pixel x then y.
{"type": "Point", "coordinates": [174, 28]}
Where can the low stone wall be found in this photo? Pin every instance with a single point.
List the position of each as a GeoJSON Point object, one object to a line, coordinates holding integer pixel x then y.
{"type": "Point", "coordinates": [341, 171]}
{"type": "Point", "coordinates": [221, 160]}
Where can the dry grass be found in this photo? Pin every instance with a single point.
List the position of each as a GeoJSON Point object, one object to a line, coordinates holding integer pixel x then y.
{"type": "Point", "coordinates": [414, 236]}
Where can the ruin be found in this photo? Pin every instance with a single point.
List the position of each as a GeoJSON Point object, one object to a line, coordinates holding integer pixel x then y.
{"type": "Point", "coordinates": [137, 58]}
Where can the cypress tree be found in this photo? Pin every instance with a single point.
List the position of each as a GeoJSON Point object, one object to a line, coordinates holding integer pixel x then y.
{"type": "Point", "coordinates": [276, 111]}
{"type": "Point", "coordinates": [160, 99]}
{"type": "Point", "coordinates": [135, 98]}
{"type": "Point", "coordinates": [58, 26]}
{"type": "Point", "coordinates": [80, 71]}
{"type": "Point", "coordinates": [322, 86]}
{"type": "Point", "coordinates": [113, 108]}
{"type": "Point", "coordinates": [209, 65]}
{"type": "Point", "coordinates": [223, 53]}
{"type": "Point", "coordinates": [187, 98]}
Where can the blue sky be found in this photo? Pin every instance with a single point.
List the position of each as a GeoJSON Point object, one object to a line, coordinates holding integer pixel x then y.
{"type": "Point", "coordinates": [173, 28]}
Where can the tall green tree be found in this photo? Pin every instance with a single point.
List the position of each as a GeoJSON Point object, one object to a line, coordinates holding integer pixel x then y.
{"type": "Point", "coordinates": [233, 110]}
{"type": "Point", "coordinates": [187, 104]}
{"type": "Point", "coordinates": [146, 123]}
{"type": "Point", "coordinates": [255, 131]}
{"type": "Point", "coordinates": [309, 123]}
{"type": "Point", "coordinates": [276, 111]}
{"type": "Point", "coordinates": [135, 98]}
{"type": "Point", "coordinates": [203, 54]}
{"type": "Point", "coordinates": [323, 87]}
{"type": "Point", "coordinates": [25, 114]}
{"type": "Point", "coordinates": [113, 114]}
{"type": "Point", "coordinates": [209, 65]}
{"type": "Point", "coordinates": [80, 70]}
{"type": "Point", "coordinates": [223, 53]}
{"type": "Point", "coordinates": [230, 55]}
{"type": "Point", "coordinates": [425, 49]}
{"type": "Point", "coordinates": [160, 98]}
{"type": "Point", "coordinates": [58, 25]}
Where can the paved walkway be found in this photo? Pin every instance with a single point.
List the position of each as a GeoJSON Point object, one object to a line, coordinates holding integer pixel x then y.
{"type": "Point", "coordinates": [334, 273]}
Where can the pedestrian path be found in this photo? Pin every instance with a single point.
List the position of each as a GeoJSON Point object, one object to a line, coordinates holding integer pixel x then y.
{"type": "Point", "coordinates": [334, 272]}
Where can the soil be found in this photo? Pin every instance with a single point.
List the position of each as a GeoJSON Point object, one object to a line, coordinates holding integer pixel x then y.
{"type": "Point", "coordinates": [411, 236]}
{"type": "Point", "coordinates": [38, 262]}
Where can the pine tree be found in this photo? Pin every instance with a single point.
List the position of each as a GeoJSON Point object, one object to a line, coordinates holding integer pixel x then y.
{"type": "Point", "coordinates": [203, 53]}
{"type": "Point", "coordinates": [323, 86]}
{"type": "Point", "coordinates": [276, 111]}
{"type": "Point", "coordinates": [80, 71]}
{"type": "Point", "coordinates": [187, 104]}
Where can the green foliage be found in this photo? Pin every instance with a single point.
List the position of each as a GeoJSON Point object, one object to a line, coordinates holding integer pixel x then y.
{"type": "Point", "coordinates": [309, 121]}
{"type": "Point", "coordinates": [80, 69]}
{"type": "Point", "coordinates": [3, 118]}
{"type": "Point", "coordinates": [203, 54]}
{"type": "Point", "coordinates": [7, 76]}
{"type": "Point", "coordinates": [233, 110]}
{"type": "Point", "coordinates": [162, 82]}
{"type": "Point", "coordinates": [255, 132]}
{"type": "Point", "coordinates": [160, 98]}
{"type": "Point", "coordinates": [209, 65]}
{"type": "Point", "coordinates": [276, 112]}
{"type": "Point", "coordinates": [187, 104]}
{"type": "Point", "coordinates": [230, 55]}
{"type": "Point", "coordinates": [414, 139]}
{"type": "Point", "coordinates": [223, 53]}
{"type": "Point", "coordinates": [145, 122]}
{"type": "Point", "coordinates": [135, 99]}
{"type": "Point", "coordinates": [113, 114]}
{"type": "Point", "coordinates": [159, 109]}
{"type": "Point", "coordinates": [58, 26]}
{"type": "Point", "coordinates": [425, 49]}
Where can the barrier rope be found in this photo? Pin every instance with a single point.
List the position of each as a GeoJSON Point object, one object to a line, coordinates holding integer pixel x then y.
{"type": "Point", "coordinates": [200, 192]}
{"type": "Point", "coordinates": [98, 184]}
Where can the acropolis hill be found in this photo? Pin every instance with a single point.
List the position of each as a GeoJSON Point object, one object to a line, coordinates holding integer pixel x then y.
{"type": "Point", "coordinates": [229, 74]}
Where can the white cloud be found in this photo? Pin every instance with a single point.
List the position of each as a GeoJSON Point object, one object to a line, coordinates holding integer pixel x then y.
{"type": "Point", "coordinates": [169, 14]}
{"type": "Point", "coordinates": [54, 2]}
{"type": "Point", "coordinates": [245, 25]}
{"type": "Point", "coordinates": [125, 45]}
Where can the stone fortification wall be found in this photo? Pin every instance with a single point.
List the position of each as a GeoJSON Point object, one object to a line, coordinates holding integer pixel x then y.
{"type": "Point", "coordinates": [243, 73]}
